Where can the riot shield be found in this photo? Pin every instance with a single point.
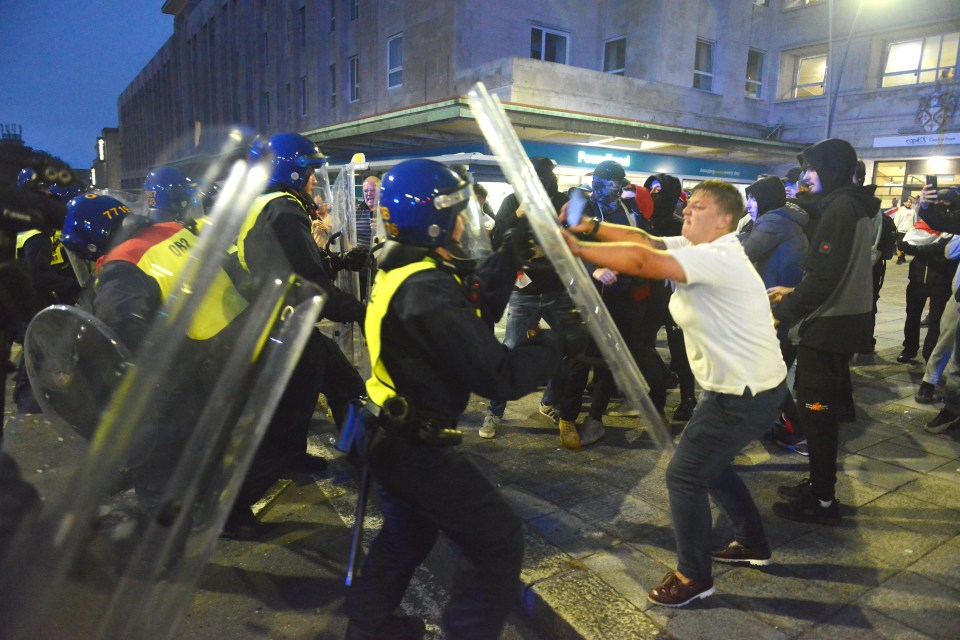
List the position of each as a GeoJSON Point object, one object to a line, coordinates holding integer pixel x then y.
{"type": "Point", "coordinates": [343, 238]}
{"type": "Point", "coordinates": [503, 140]}
{"type": "Point", "coordinates": [74, 362]}
{"type": "Point", "coordinates": [189, 413]}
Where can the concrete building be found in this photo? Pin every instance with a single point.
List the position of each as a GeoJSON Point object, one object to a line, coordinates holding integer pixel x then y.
{"type": "Point", "coordinates": [699, 88]}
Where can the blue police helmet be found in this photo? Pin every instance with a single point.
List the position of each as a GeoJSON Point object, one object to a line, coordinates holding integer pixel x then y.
{"type": "Point", "coordinates": [168, 192]}
{"type": "Point", "coordinates": [292, 158]}
{"type": "Point", "coordinates": [90, 222]}
{"type": "Point", "coordinates": [65, 192]}
{"type": "Point", "coordinates": [423, 199]}
{"type": "Point", "coordinates": [27, 179]}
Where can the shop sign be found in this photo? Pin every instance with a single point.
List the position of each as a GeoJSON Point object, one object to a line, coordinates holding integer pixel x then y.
{"type": "Point", "coordinates": [918, 140]}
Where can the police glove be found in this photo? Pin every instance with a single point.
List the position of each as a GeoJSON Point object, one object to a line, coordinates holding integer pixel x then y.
{"type": "Point", "coordinates": [520, 243]}
{"type": "Point", "coordinates": [574, 338]}
{"type": "Point", "coordinates": [356, 259]}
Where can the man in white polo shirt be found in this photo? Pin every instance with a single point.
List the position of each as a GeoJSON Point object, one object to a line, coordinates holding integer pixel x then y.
{"type": "Point", "coordinates": [721, 304]}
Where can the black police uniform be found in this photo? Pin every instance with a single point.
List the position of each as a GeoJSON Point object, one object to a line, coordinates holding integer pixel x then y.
{"type": "Point", "coordinates": [323, 368]}
{"type": "Point", "coordinates": [438, 350]}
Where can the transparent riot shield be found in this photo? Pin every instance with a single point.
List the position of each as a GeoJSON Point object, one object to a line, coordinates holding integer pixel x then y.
{"type": "Point", "coordinates": [184, 419]}
{"type": "Point", "coordinates": [343, 238]}
{"type": "Point", "coordinates": [503, 140]}
{"type": "Point", "coordinates": [74, 362]}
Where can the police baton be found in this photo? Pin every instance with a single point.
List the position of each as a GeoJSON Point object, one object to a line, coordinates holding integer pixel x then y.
{"type": "Point", "coordinates": [358, 524]}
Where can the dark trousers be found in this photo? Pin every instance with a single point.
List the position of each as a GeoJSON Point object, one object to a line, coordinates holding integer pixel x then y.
{"type": "Point", "coordinates": [659, 316]}
{"type": "Point", "coordinates": [322, 368]}
{"type": "Point", "coordinates": [424, 490]}
{"type": "Point", "coordinates": [722, 424]}
{"type": "Point", "coordinates": [917, 295]}
{"type": "Point", "coordinates": [879, 273]}
{"type": "Point", "coordinates": [822, 380]}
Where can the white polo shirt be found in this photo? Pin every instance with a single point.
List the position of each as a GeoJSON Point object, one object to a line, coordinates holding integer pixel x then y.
{"type": "Point", "coordinates": [725, 316]}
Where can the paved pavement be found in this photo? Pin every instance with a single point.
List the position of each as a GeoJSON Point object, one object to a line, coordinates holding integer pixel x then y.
{"type": "Point", "coordinates": [599, 533]}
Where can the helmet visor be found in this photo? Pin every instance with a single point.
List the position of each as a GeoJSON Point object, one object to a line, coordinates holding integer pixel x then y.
{"type": "Point", "coordinates": [467, 238]}
{"type": "Point", "coordinates": [81, 267]}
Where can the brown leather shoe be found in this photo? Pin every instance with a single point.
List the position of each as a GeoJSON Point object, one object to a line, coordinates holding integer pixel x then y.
{"type": "Point", "coordinates": [736, 553]}
{"type": "Point", "coordinates": [673, 593]}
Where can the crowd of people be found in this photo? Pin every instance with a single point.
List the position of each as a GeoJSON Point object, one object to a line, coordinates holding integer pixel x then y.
{"type": "Point", "coordinates": [744, 289]}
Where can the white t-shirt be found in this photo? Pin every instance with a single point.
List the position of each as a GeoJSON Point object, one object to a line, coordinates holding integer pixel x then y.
{"type": "Point", "coordinates": [725, 316]}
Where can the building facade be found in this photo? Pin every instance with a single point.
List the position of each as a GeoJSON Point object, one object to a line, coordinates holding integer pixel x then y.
{"type": "Point", "coordinates": [700, 88]}
{"type": "Point", "coordinates": [108, 160]}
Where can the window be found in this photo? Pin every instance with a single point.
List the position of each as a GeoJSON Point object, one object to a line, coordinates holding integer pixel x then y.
{"type": "Point", "coordinates": [265, 108]}
{"type": "Point", "coordinates": [303, 95]}
{"type": "Point", "coordinates": [547, 45]}
{"type": "Point", "coordinates": [923, 60]}
{"type": "Point", "coordinates": [354, 9]}
{"type": "Point", "coordinates": [810, 76]}
{"type": "Point", "coordinates": [792, 4]}
{"type": "Point", "coordinates": [354, 78]}
{"type": "Point", "coordinates": [754, 82]}
{"type": "Point", "coordinates": [762, 3]}
{"type": "Point", "coordinates": [395, 61]}
{"type": "Point", "coordinates": [703, 66]}
{"type": "Point", "coordinates": [615, 56]}
{"type": "Point", "coordinates": [333, 85]}
{"type": "Point", "coordinates": [303, 26]}
{"type": "Point", "coordinates": [333, 15]}
{"type": "Point", "coordinates": [889, 178]}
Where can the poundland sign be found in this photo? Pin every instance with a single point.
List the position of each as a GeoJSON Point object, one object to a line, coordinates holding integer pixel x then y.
{"type": "Point", "coordinates": [593, 159]}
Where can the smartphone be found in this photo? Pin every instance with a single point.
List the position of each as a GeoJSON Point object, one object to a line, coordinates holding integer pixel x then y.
{"type": "Point", "coordinates": [578, 202]}
{"type": "Point", "coordinates": [932, 180]}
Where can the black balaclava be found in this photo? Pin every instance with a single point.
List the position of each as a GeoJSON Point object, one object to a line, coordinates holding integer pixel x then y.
{"type": "Point", "coordinates": [769, 194]}
{"type": "Point", "coordinates": [609, 199]}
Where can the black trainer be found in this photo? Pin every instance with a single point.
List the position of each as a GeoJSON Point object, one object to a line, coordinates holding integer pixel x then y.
{"type": "Point", "coordinates": [736, 553]}
{"type": "Point", "coordinates": [807, 508]}
{"type": "Point", "coordinates": [794, 491]}
{"type": "Point", "coordinates": [684, 410]}
{"type": "Point", "coordinates": [944, 420]}
{"type": "Point", "coordinates": [907, 357]}
{"type": "Point", "coordinates": [926, 393]}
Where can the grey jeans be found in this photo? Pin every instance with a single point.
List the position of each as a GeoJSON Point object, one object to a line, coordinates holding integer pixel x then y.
{"type": "Point", "coordinates": [721, 426]}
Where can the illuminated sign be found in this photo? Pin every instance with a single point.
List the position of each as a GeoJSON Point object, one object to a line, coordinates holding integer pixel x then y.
{"type": "Point", "coordinates": [101, 150]}
{"type": "Point", "coordinates": [594, 159]}
{"type": "Point", "coordinates": [93, 177]}
{"type": "Point", "coordinates": [919, 140]}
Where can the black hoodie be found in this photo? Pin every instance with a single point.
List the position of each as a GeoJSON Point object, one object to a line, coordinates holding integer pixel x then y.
{"type": "Point", "coordinates": [769, 194]}
{"type": "Point", "coordinates": [662, 220]}
{"type": "Point", "coordinates": [832, 306]}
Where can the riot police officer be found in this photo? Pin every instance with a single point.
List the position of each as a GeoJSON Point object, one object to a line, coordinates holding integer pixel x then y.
{"type": "Point", "coordinates": [429, 333]}
{"type": "Point", "coordinates": [282, 214]}
{"type": "Point", "coordinates": [169, 194]}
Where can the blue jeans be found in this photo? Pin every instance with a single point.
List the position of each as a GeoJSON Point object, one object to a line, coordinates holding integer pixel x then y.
{"type": "Point", "coordinates": [524, 311]}
{"type": "Point", "coordinates": [721, 426]}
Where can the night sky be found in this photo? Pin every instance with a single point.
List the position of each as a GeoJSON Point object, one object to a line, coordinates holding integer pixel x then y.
{"type": "Point", "coordinates": [64, 63]}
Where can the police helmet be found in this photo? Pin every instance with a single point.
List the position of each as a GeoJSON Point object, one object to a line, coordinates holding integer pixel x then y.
{"type": "Point", "coordinates": [428, 205]}
{"type": "Point", "coordinates": [168, 193]}
{"type": "Point", "coordinates": [65, 192]}
{"type": "Point", "coordinates": [90, 222]}
{"type": "Point", "coordinates": [27, 179]}
{"type": "Point", "coordinates": [292, 158]}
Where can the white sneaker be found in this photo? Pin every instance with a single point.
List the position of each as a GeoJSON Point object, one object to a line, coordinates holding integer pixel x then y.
{"type": "Point", "coordinates": [550, 411]}
{"type": "Point", "coordinates": [622, 410]}
{"type": "Point", "coordinates": [489, 427]}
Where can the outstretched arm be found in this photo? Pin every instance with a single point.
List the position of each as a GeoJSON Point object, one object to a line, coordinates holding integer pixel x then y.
{"type": "Point", "coordinates": [630, 258]}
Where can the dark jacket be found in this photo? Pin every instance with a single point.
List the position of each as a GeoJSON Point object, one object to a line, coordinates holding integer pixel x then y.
{"type": "Point", "coordinates": [929, 265]}
{"type": "Point", "coordinates": [438, 351]}
{"type": "Point", "coordinates": [285, 221]}
{"type": "Point", "coordinates": [543, 277]}
{"type": "Point", "coordinates": [831, 307]}
{"type": "Point", "coordinates": [777, 245]}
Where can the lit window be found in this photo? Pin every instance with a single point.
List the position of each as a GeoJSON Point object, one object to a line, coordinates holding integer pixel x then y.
{"type": "Point", "coordinates": [395, 61]}
{"type": "Point", "coordinates": [615, 56]}
{"type": "Point", "coordinates": [791, 4]}
{"type": "Point", "coordinates": [924, 60]}
{"type": "Point", "coordinates": [810, 75]}
{"type": "Point", "coordinates": [703, 66]}
{"type": "Point", "coordinates": [754, 82]}
{"type": "Point", "coordinates": [547, 45]}
{"type": "Point", "coordinates": [354, 78]}
{"type": "Point", "coordinates": [333, 15]}
{"type": "Point", "coordinates": [101, 149]}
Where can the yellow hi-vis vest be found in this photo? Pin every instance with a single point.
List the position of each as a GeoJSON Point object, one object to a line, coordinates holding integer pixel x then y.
{"type": "Point", "coordinates": [380, 385]}
{"type": "Point", "coordinates": [161, 251]}
{"type": "Point", "coordinates": [255, 210]}
{"type": "Point", "coordinates": [56, 250]}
